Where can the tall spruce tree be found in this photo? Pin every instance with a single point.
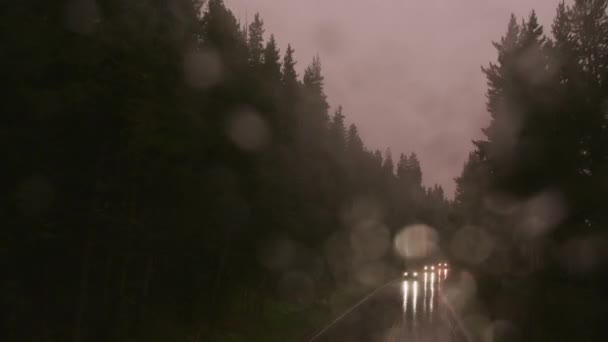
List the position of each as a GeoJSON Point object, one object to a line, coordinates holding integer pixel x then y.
{"type": "Point", "coordinates": [256, 41]}
{"type": "Point", "coordinates": [272, 61]}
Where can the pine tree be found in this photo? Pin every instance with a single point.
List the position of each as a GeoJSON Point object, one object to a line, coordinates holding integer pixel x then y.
{"type": "Point", "coordinates": [378, 159]}
{"type": "Point", "coordinates": [220, 30]}
{"type": "Point", "coordinates": [471, 188]}
{"type": "Point", "coordinates": [588, 113]}
{"type": "Point", "coordinates": [589, 20]}
{"type": "Point", "coordinates": [256, 42]}
{"type": "Point", "coordinates": [402, 168]}
{"type": "Point", "coordinates": [272, 64]}
{"type": "Point", "coordinates": [518, 97]}
{"type": "Point", "coordinates": [314, 80]}
{"type": "Point", "coordinates": [532, 31]}
{"type": "Point", "coordinates": [438, 194]}
{"type": "Point", "coordinates": [388, 166]}
{"type": "Point", "coordinates": [353, 141]}
{"type": "Point", "coordinates": [289, 76]}
{"type": "Point", "coordinates": [337, 132]}
{"type": "Point", "coordinates": [562, 49]}
{"type": "Point", "coordinates": [315, 115]}
{"type": "Point", "coordinates": [497, 74]}
{"type": "Point", "coordinates": [414, 170]}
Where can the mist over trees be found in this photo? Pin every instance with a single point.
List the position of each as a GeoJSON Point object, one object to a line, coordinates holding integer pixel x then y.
{"type": "Point", "coordinates": [549, 125]}
{"type": "Point", "coordinates": [169, 175]}
{"type": "Point", "coordinates": [535, 187]}
{"type": "Point", "coordinates": [167, 172]}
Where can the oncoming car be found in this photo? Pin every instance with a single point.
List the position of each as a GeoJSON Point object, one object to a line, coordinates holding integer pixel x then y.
{"type": "Point", "coordinates": [430, 268]}
{"type": "Point", "coordinates": [410, 274]}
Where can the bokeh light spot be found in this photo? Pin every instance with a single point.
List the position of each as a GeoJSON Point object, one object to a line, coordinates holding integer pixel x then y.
{"type": "Point", "coordinates": [276, 253]}
{"type": "Point", "coordinates": [296, 287]}
{"type": "Point", "coordinates": [202, 69]}
{"type": "Point", "coordinates": [542, 213]}
{"type": "Point", "coordinates": [370, 240]}
{"type": "Point", "coordinates": [371, 274]}
{"type": "Point", "coordinates": [461, 290]}
{"type": "Point", "coordinates": [416, 241]}
{"type": "Point", "coordinates": [248, 131]}
{"type": "Point", "coordinates": [472, 245]}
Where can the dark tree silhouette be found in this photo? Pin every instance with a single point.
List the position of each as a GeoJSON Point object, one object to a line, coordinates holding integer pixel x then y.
{"type": "Point", "coordinates": [171, 173]}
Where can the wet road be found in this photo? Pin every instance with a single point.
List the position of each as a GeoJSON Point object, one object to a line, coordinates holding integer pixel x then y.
{"type": "Point", "coordinates": [412, 310]}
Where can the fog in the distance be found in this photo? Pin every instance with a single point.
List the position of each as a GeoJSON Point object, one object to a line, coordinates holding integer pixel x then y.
{"type": "Point", "coordinates": [407, 72]}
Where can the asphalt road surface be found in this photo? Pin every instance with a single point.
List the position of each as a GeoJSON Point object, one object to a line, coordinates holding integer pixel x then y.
{"type": "Point", "coordinates": [403, 310]}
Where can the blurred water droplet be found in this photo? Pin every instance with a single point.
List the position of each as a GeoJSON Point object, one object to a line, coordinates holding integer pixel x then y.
{"type": "Point", "coordinates": [472, 245]}
{"type": "Point", "coordinates": [248, 131]}
{"type": "Point", "coordinates": [362, 209]}
{"type": "Point", "coordinates": [501, 204]}
{"type": "Point", "coordinates": [82, 16]}
{"type": "Point", "coordinates": [202, 69]}
{"type": "Point", "coordinates": [461, 290]}
{"type": "Point", "coordinates": [542, 213]}
{"type": "Point", "coordinates": [507, 126]}
{"type": "Point", "coordinates": [296, 287]}
{"type": "Point", "coordinates": [531, 65]}
{"type": "Point", "coordinates": [308, 261]}
{"type": "Point", "coordinates": [500, 331]}
{"type": "Point", "coordinates": [417, 241]}
{"type": "Point", "coordinates": [371, 274]}
{"type": "Point", "coordinates": [276, 254]}
{"type": "Point", "coordinates": [369, 240]}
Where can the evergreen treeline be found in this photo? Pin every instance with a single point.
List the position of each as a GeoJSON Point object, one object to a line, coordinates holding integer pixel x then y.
{"type": "Point", "coordinates": [536, 185]}
{"type": "Point", "coordinates": [168, 175]}
{"type": "Point", "coordinates": [548, 100]}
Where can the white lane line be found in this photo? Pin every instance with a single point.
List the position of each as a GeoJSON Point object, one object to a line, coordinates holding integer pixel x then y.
{"type": "Point", "coordinates": [347, 312]}
{"type": "Point", "coordinates": [456, 318]}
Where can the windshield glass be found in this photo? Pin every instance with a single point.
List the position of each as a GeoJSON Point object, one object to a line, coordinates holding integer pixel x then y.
{"type": "Point", "coordinates": [289, 170]}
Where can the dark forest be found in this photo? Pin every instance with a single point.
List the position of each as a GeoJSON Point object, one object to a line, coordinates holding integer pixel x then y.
{"type": "Point", "coordinates": [169, 176]}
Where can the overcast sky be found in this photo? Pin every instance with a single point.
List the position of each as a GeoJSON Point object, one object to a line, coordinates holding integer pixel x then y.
{"type": "Point", "coordinates": [406, 71]}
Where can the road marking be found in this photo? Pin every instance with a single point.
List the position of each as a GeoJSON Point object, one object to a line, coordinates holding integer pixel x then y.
{"type": "Point", "coordinates": [347, 312]}
{"type": "Point", "coordinates": [449, 316]}
{"type": "Point", "coordinates": [456, 318]}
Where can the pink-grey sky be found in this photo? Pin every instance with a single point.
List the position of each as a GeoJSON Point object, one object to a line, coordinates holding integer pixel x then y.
{"type": "Point", "coordinates": [407, 72]}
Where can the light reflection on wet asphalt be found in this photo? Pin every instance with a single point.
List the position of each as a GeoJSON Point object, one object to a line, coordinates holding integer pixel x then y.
{"type": "Point", "coordinates": [406, 310]}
